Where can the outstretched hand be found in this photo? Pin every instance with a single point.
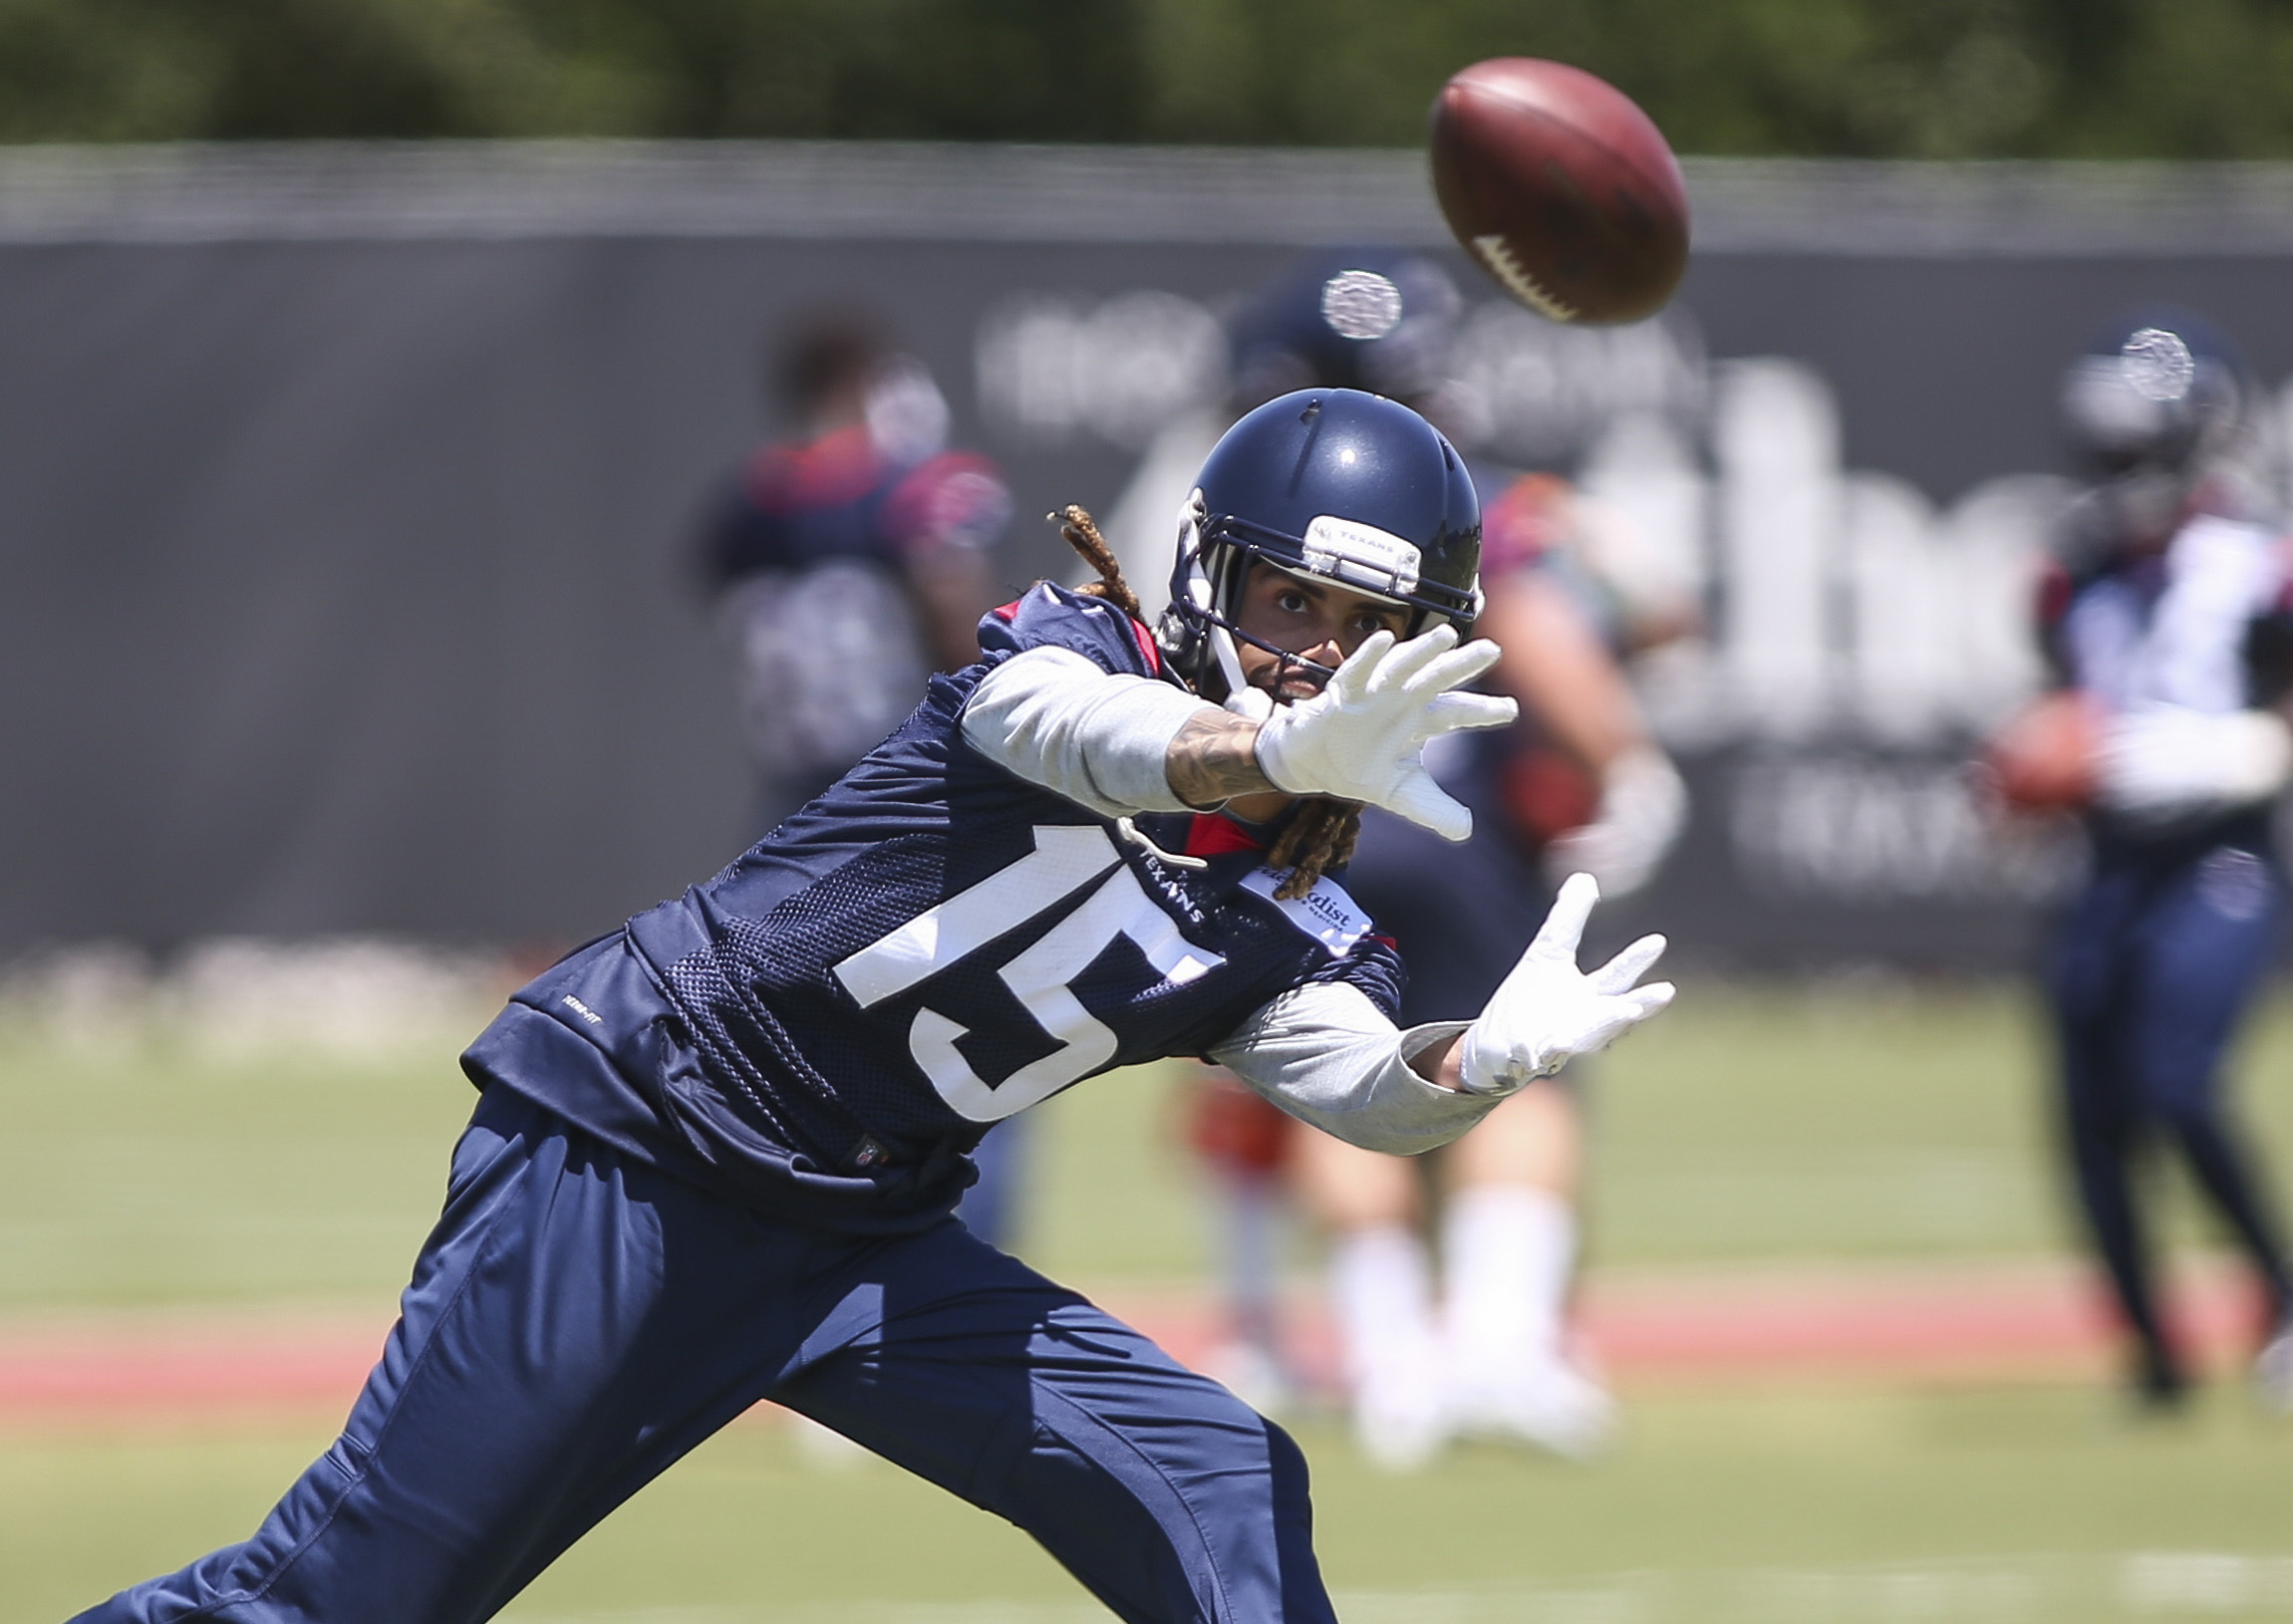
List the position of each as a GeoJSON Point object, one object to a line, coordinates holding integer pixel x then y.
{"type": "Point", "coordinates": [1547, 1011]}
{"type": "Point", "coordinates": [1361, 738]}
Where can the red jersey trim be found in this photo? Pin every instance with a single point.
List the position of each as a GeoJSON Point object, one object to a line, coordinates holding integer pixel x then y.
{"type": "Point", "coordinates": [833, 469]}
{"type": "Point", "coordinates": [1147, 650]}
{"type": "Point", "coordinates": [1212, 836]}
{"type": "Point", "coordinates": [2055, 589]}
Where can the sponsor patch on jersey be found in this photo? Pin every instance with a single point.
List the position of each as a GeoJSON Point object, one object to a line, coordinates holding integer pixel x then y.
{"type": "Point", "coordinates": [1325, 913]}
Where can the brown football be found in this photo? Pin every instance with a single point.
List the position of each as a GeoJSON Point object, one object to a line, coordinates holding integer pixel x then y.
{"type": "Point", "coordinates": [1562, 188]}
{"type": "Point", "coordinates": [2044, 760]}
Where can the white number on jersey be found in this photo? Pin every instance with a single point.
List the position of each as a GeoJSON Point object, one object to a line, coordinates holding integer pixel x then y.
{"type": "Point", "coordinates": [1066, 860]}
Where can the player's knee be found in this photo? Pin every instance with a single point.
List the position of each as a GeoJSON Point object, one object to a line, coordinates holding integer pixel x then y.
{"type": "Point", "coordinates": [1200, 1495]}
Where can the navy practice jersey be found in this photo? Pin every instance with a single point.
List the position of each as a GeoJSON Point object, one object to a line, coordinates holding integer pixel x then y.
{"type": "Point", "coordinates": [2204, 623]}
{"type": "Point", "coordinates": [827, 1027]}
{"type": "Point", "coordinates": [811, 559]}
{"type": "Point", "coordinates": [839, 497]}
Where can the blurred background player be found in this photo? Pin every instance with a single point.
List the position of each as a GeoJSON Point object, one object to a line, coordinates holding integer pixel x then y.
{"type": "Point", "coordinates": [1576, 784]}
{"type": "Point", "coordinates": [863, 520]}
{"type": "Point", "coordinates": [845, 565]}
{"type": "Point", "coordinates": [2166, 616]}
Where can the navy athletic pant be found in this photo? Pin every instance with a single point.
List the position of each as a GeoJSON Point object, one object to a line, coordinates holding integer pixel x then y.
{"type": "Point", "coordinates": [578, 1321]}
{"type": "Point", "coordinates": [2155, 962]}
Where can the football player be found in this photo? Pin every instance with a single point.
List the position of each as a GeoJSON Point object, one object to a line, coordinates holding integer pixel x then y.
{"type": "Point", "coordinates": [1577, 780]}
{"type": "Point", "coordinates": [2168, 611]}
{"type": "Point", "coordinates": [863, 536]}
{"type": "Point", "coordinates": [715, 1150]}
{"type": "Point", "coordinates": [1577, 783]}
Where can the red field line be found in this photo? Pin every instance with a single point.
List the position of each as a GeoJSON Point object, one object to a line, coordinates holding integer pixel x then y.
{"type": "Point", "coordinates": [1965, 1322]}
{"type": "Point", "coordinates": [1944, 1322]}
{"type": "Point", "coordinates": [171, 1365]}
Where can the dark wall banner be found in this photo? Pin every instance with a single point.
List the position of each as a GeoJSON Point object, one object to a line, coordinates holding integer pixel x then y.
{"type": "Point", "coordinates": [344, 493]}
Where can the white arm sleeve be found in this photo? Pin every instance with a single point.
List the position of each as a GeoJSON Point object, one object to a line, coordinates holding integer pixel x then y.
{"type": "Point", "coordinates": [2163, 762]}
{"type": "Point", "coordinates": [1101, 740]}
{"type": "Point", "coordinates": [1327, 1056]}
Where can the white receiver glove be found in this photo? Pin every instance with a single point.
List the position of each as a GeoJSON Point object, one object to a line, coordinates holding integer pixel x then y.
{"type": "Point", "coordinates": [2164, 761]}
{"type": "Point", "coordinates": [1547, 1011]}
{"type": "Point", "coordinates": [1358, 740]}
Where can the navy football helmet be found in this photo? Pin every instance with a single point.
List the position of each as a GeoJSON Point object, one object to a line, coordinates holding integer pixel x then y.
{"type": "Point", "coordinates": [1376, 319]}
{"type": "Point", "coordinates": [2158, 415]}
{"type": "Point", "coordinates": [2159, 390]}
{"type": "Point", "coordinates": [1331, 485]}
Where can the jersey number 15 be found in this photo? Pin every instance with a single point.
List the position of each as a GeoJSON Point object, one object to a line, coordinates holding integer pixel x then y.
{"type": "Point", "coordinates": [1066, 860]}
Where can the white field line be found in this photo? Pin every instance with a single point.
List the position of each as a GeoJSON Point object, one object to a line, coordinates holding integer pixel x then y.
{"type": "Point", "coordinates": [2029, 1589]}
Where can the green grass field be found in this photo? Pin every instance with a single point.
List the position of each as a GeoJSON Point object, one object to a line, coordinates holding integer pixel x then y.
{"type": "Point", "coordinates": [1816, 1126]}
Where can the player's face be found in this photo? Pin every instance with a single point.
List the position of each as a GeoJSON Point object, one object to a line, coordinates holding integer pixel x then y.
{"type": "Point", "coordinates": [1322, 622]}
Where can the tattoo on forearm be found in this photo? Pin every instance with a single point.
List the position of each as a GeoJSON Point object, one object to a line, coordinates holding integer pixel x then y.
{"type": "Point", "coordinates": [1215, 758]}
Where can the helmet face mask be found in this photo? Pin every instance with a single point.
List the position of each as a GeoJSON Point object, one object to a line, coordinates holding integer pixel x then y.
{"type": "Point", "coordinates": [1326, 485]}
{"type": "Point", "coordinates": [1225, 629]}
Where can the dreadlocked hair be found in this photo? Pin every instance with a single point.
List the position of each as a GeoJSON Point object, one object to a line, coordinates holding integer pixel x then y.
{"type": "Point", "coordinates": [1319, 837]}
{"type": "Point", "coordinates": [1079, 531]}
{"type": "Point", "coordinates": [1321, 834]}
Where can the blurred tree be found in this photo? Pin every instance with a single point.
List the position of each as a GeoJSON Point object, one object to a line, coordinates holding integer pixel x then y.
{"type": "Point", "coordinates": [1876, 78]}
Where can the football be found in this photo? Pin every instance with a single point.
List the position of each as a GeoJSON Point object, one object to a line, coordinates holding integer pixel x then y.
{"type": "Point", "coordinates": [1562, 188]}
{"type": "Point", "coordinates": [2044, 760]}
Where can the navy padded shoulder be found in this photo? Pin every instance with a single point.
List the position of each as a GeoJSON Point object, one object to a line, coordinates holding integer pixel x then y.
{"type": "Point", "coordinates": [1052, 617]}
